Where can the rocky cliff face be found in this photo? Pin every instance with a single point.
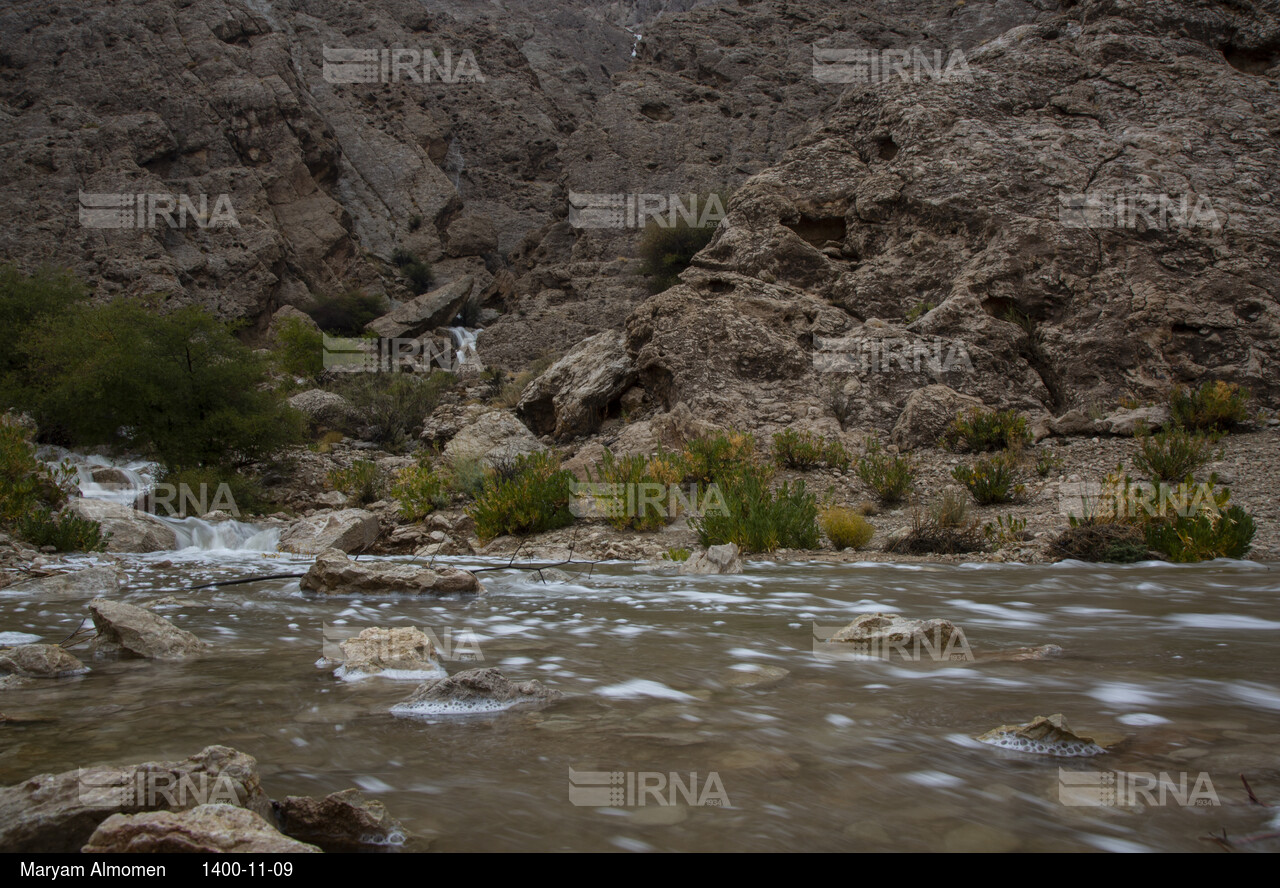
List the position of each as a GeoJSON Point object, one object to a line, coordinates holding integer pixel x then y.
{"type": "Point", "coordinates": [908, 230]}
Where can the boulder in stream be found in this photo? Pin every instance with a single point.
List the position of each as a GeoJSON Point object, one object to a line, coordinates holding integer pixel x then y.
{"type": "Point", "coordinates": [59, 812]}
{"type": "Point", "coordinates": [347, 530]}
{"type": "Point", "coordinates": [129, 631]}
{"type": "Point", "coordinates": [206, 829]}
{"type": "Point", "coordinates": [91, 582]}
{"type": "Point", "coordinates": [403, 652]}
{"type": "Point", "coordinates": [343, 821]}
{"type": "Point", "coordinates": [40, 661]}
{"type": "Point", "coordinates": [131, 530]}
{"type": "Point", "coordinates": [471, 692]}
{"type": "Point", "coordinates": [1043, 735]}
{"type": "Point", "coordinates": [723, 559]}
{"type": "Point", "coordinates": [333, 573]}
{"type": "Point", "coordinates": [881, 635]}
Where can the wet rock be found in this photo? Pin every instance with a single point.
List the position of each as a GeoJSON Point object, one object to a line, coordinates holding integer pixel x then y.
{"type": "Point", "coordinates": [575, 392]}
{"type": "Point", "coordinates": [1043, 736]}
{"type": "Point", "coordinates": [172, 601]}
{"type": "Point", "coordinates": [492, 437]}
{"type": "Point", "coordinates": [40, 661]}
{"type": "Point", "coordinates": [376, 651]}
{"type": "Point", "coordinates": [880, 634]}
{"type": "Point", "coordinates": [350, 530]}
{"type": "Point", "coordinates": [754, 675]}
{"type": "Point", "coordinates": [343, 821]}
{"type": "Point", "coordinates": [333, 573]}
{"type": "Point", "coordinates": [131, 530]}
{"type": "Point", "coordinates": [435, 309]}
{"type": "Point", "coordinates": [206, 829]}
{"type": "Point", "coordinates": [926, 415]}
{"type": "Point", "coordinates": [9, 682]}
{"type": "Point", "coordinates": [722, 559]}
{"type": "Point", "coordinates": [59, 812]}
{"type": "Point", "coordinates": [473, 691]}
{"type": "Point", "coordinates": [1016, 655]}
{"type": "Point", "coordinates": [129, 631]}
{"type": "Point", "coordinates": [87, 583]}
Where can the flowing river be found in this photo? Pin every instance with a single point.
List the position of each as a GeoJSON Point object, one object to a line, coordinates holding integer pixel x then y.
{"type": "Point", "coordinates": [832, 755]}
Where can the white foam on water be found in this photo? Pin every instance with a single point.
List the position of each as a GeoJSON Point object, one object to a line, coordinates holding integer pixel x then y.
{"type": "Point", "coordinates": [428, 708]}
{"type": "Point", "coordinates": [748, 654]}
{"type": "Point", "coordinates": [418, 675]}
{"type": "Point", "coordinates": [1116, 846]}
{"type": "Point", "coordinates": [1120, 693]}
{"type": "Point", "coordinates": [1222, 621]}
{"type": "Point", "coordinates": [372, 784]}
{"type": "Point", "coordinates": [640, 687]}
{"type": "Point", "coordinates": [839, 721]}
{"type": "Point", "coordinates": [14, 638]}
{"type": "Point", "coordinates": [1142, 719]}
{"type": "Point", "coordinates": [934, 779]}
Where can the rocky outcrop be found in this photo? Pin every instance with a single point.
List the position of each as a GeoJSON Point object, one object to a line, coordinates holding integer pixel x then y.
{"type": "Point", "coordinates": [472, 692]}
{"type": "Point", "coordinates": [205, 829]}
{"type": "Point", "coordinates": [333, 573]}
{"type": "Point", "coordinates": [927, 414]}
{"type": "Point", "coordinates": [131, 530]}
{"type": "Point", "coordinates": [723, 559]}
{"type": "Point", "coordinates": [328, 409]}
{"type": "Point", "coordinates": [575, 393]}
{"type": "Point", "coordinates": [403, 651]}
{"type": "Point", "coordinates": [343, 821]}
{"type": "Point", "coordinates": [349, 530]}
{"type": "Point", "coordinates": [425, 313]}
{"type": "Point", "coordinates": [492, 437]}
{"type": "Point", "coordinates": [128, 631]}
{"type": "Point", "coordinates": [60, 812]}
{"type": "Point", "coordinates": [40, 661]}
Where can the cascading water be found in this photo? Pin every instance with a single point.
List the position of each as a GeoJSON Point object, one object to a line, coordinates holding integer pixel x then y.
{"type": "Point", "coordinates": [464, 339]}
{"type": "Point", "coordinates": [127, 482]}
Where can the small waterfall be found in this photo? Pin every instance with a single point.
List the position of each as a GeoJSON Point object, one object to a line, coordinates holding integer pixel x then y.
{"type": "Point", "coordinates": [126, 482]}
{"type": "Point", "coordinates": [454, 164]}
{"type": "Point", "coordinates": [464, 339]}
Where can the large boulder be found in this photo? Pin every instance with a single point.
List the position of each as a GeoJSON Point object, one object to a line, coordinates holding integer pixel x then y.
{"type": "Point", "coordinates": [435, 309]}
{"type": "Point", "coordinates": [322, 408]}
{"type": "Point", "coordinates": [131, 530]}
{"type": "Point", "coordinates": [926, 415]}
{"type": "Point", "coordinates": [206, 829]}
{"type": "Point", "coordinates": [350, 530]}
{"type": "Point", "coordinates": [723, 559]}
{"type": "Point", "coordinates": [40, 661]}
{"type": "Point", "coordinates": [573, 395]}
{"type": "Point", "coordinates": [333, 573]}
{"type": "Point", "coordinates": [400, 652]}
{"type": "Point", "coordinates": [473, 691]}
{"type": "Point", "coordinates": [884, 635]}
{"type": "Point", "coordinates": [343, 821]}
{"type": "Point", "coordinates": [284, 315]}
{"type": "Point", "coordinates": [493, 437]}
{"type": "Point", "coordinates": [128, 631]}
{"type": "Point", "coordinates": [59, 812]}
{"type": "Point", "coordinates": [91, 582]}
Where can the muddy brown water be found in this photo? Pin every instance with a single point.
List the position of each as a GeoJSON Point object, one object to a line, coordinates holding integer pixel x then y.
{"type": "Point", "coordinates": [1181, 662]}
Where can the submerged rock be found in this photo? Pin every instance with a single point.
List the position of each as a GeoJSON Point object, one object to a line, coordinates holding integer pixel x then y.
{"type": "Point", "coordinates": [754, 675]}
{"type": "Point", "coordinates": [343, 821]}
{"type": "Point", "coordinates": [88, 583]}
{"type": "Point", "coordinates": [348, 530]}
{"type": "Point", "coordinates": [130, 631]}
{"type": "Point", "coordinates": [402, 652]}
{"type": "Point", "coordinates": [722, 559]}
{"type": "Point", "coordinates": [1021, 654]}
{"type": "Point", "coordinates": [1043, 736]}
{"type": "Point", "coordinates": [333, 573]}
{"type": "Point", "coordinates": [206, 829]}
{"type": "Point", "coordinates": [131, 530]}
{"type": "Point", "coordinates": [473, 691]}
{"type": "Point", "coordinates": [40, 661]}
{"type": "Point", "coordinates": [59, 812]}
{"type": "Point", "coordinates": [881, 635]}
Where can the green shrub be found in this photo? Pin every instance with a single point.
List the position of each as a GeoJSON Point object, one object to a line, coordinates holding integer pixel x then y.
{"type": "Point", "coordinates": [805, 450]}
{"type": "Point", "coordinates": [991, 480]}
{"type": "Point", "coordinates": [1047, 463]}
{"type": "Point", "coordinates": [465, 477]}
{"type": "Point", "coordinates": [1214, 406]}
{"type": "Point", "coordinates": [419, 276]}
{"type": "Point", "coordinates": [846, 528]}
{"type": "Point", "coordinates": [364, 480]}
{"type": "Point", "coordinates": [1203, 536]}
{"type": "Point", "coordinates": [919, 310]}
{"type": "Point", "coordinates": [66, 532]}
{"type": "Point", "coordinates": [667, 250]}
{"type": "Point", "coordinates": [978, 431]}
{"type": "Point", "coordinates": [627, 481]}
{"type": "Point", "coordinates": [720, 458]}
{"type": "Point", "coordinates": [889, 477]}
{"type": "Point", "coordinates": [1005, 531]}
{"type": "Point", "coordinates": [1173, 454]}
{"type": "Point", "coordinates": [346, 313]}
{"type": "Point", "coordinates": [534, 499]}
{"type": "Point", "coordinates": [951, 510]}
{"type": "Point", "coordinates": [25, 302]}
{"type": "Point", "coordinates": [390, 408]}
{"type": "Point", "coordinates": [1102, 541]}
{"type": "Point", "coordinates": [927, 537]}
{"type": "Point", "coordinates": [676, 554]}
{"type": "Point", "coordinates": [419, 490]}
{"type": "Point", "coordinates": [759, 520]}
{"type": "Point", "coordinates": [177, 386]}
{"type": "Point", "coordinates": [299, 350]}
